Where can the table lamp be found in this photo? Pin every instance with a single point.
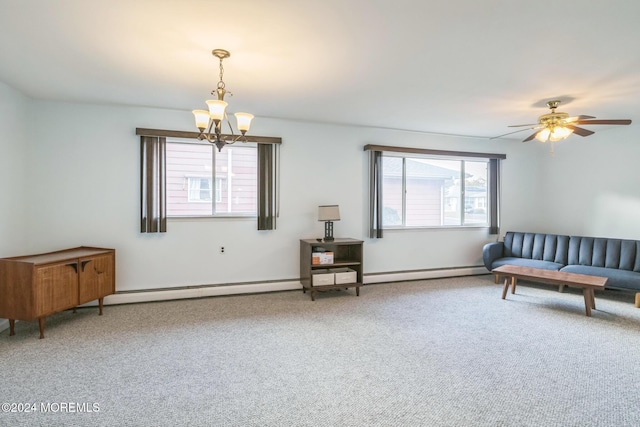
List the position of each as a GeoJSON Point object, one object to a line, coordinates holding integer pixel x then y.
{"type": "Point", "coordinates": [328, 213]}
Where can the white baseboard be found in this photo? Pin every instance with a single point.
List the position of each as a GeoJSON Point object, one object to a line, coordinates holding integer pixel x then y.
{"type": "Point", "coordinates": [250, 288]}
{"type": "Point", "coordinates": [199, 292]}
{"type": "Point", "coordinates": [401, 276]}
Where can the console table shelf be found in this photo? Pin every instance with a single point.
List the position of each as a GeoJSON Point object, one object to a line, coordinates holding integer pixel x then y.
{"type": "Point", "coordinates": [347, 252]}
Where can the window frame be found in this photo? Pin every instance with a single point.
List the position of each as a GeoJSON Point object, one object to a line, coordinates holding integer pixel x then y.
{"type": "Point", "coordinates": [152, 159]}
{"type": "Point", "coordinates": [461, 196]}
{"type": "Point", "coordinates": [379, 152]}
{"type": "Point", "coordinates": [216, 195]}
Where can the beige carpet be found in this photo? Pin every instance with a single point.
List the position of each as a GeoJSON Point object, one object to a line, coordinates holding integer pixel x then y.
{"type": "Point", "coordinates": [446, 352]}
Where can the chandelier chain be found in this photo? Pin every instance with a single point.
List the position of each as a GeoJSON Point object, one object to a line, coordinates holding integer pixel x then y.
{"type": "Point", "coordinates": [221, 82]}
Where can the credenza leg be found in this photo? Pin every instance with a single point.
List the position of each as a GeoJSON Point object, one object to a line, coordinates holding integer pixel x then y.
{"type": "Point", "coordinates": [100, 304]}
{"type": "Point", "coordinates": [41, 323]}
{"type": "Point", "coordinates": [12, 325]}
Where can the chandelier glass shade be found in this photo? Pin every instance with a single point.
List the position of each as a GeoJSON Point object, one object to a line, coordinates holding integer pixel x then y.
{"type": "Point", "coordinates": [210, 122]}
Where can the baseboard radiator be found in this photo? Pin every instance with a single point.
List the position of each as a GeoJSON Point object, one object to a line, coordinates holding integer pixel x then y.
{"type": "Point", "coordinates": [150, 295]}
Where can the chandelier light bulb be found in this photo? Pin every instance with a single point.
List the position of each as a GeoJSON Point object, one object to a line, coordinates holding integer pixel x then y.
{"type": "Point", "coordinates": [216, 109]}
{"type": "Point", "coordinates": [202, 118]}
{"type": "Point", "coordinates": [244, 121]}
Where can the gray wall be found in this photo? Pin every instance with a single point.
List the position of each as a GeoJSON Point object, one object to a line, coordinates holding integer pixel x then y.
{"type": "Point", "coordinates": [75, 181]}
{"type": "Point", "coordinates": [13, 172]}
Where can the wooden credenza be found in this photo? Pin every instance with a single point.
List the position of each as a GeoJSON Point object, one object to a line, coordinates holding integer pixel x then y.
{"type": "Point", "coordinates": [36, 286]}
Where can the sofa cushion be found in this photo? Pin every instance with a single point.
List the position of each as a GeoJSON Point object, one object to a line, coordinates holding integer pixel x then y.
{"type": "Point", "coordinates": [537, 246]}
{"type": "Point", "coordinates": [620, 279]}
{"type": "Point", "coordinates": [524, 262]}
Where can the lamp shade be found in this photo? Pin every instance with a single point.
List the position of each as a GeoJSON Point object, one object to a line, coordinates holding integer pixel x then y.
{"type": "Point", "coordinates": [202, 118]}
{"type": "Point", "coordinates": [543, 135]}
{"type": "Point", "coordinates": [329, 213]}
{"type": "Point", "coordinates": [216, 109]}
{"type": "Point", "coordinates": [244, 121]}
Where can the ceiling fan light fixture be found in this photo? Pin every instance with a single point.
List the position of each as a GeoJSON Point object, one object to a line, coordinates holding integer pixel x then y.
{"type": "Point", "coordinates": [543, 135]}
{"type": "Point", "coordinates": [555, 126]}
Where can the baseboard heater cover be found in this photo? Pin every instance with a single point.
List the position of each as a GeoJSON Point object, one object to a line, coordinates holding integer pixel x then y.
{"type": "Point", "coordinates": [273, 286]}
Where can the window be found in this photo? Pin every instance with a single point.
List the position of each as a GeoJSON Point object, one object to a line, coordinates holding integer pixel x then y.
{"type": "Point", "coordinates": [412, 188]}
{"type": "Point", "coordinates": [431, 192]}
{"type": "Point", "coordinates": [191, 170]}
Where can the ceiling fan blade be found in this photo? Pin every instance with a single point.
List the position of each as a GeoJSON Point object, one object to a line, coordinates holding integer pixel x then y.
{"type": "Point", "coordinates": [576, 118]}
{"type": "Point", "coordinates": [530, 137]}
{"type": "Point", "coordinates": [515, 131]}
{"type": "Point", "coordinates": [518, 126]}
{"type": "Point", "coordinates": [603, 122]}
{"type": "Point", "coordinates": [580, 131]}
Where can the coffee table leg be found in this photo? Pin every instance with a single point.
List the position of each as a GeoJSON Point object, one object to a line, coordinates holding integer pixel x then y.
{"type": "Point", "coordinates": [513, 284]}
{"type": "Point", "coordinates": [587, 301]}
{"type": "Point", "coordinates": [593, 298]}
{"type": "Point", "coordinates": [506, 287]}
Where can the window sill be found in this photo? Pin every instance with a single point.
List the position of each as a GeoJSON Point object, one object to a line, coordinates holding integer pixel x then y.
{"type": "Point", "coordinates": [217, 217]}
{"type": "Point", "coordinates": [447, 227]}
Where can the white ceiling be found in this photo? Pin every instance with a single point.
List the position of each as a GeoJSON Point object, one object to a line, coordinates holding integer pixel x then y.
{"type": "Point", "coordinates": [445, 66]}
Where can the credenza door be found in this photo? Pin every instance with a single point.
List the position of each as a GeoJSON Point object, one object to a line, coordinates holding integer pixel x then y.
{"type": "Point", "coordinates": [96, 277]}
{"type": "Point", "coordinates": [55, 288]}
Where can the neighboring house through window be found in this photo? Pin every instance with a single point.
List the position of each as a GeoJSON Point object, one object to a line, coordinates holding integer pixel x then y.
{"type": "Point", "coordinates": [192, 168]}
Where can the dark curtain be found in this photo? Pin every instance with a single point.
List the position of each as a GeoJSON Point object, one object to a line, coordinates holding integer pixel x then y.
{"type": "Point", "coordinates": [267, 186]}
{"type": "Point", "coordinates": [153, 215]}
{"type": "Point", "coordinates": [375, 195]}
{"type": "Point", "coordinates": [494, 175]}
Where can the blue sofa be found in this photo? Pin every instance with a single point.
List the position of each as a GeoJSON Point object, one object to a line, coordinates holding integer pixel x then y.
{"type": "Point", "coordinates": [616, 259]}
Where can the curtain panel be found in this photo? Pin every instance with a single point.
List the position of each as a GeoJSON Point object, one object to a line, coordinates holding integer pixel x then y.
{"type": "Point", "coordinates": [267, 186]}
{"type": "Point", "coordinates": [375, 195]}
{"type": "Point", "coordinates": [153, 212]}
{"type": "Point", "coordinates": [494, 195]}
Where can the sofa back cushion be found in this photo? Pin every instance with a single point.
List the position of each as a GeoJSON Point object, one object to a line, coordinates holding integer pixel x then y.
{"type": "Point", "coordinates": [538, 246]}
{"type": "Point", "coordinates": [601, 252]}
{"type": "Point", "coordinates": [575, 250]}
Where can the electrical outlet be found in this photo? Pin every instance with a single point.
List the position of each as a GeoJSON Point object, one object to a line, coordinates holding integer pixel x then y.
{"type": "Point", "coordinates": [222, 250]}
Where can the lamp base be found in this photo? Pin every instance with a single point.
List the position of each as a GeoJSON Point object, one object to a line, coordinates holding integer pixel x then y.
{"type": "Point", "coordinates": [328, 231]}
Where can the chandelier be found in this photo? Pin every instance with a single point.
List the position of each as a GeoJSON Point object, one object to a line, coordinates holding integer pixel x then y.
{"type": "Point", "coordinates": [210, 122]}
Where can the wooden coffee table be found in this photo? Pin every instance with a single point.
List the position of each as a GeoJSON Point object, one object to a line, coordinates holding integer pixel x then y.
{"type": "Point", "coordinates": [587, 283]}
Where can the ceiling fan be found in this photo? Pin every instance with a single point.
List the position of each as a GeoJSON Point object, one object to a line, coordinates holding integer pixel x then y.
{"type": "Point", "coordinates": [555, 126]}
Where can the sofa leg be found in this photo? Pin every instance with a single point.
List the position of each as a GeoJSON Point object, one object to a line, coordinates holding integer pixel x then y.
{"type": "Point", "coordinates": [638, 300]}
